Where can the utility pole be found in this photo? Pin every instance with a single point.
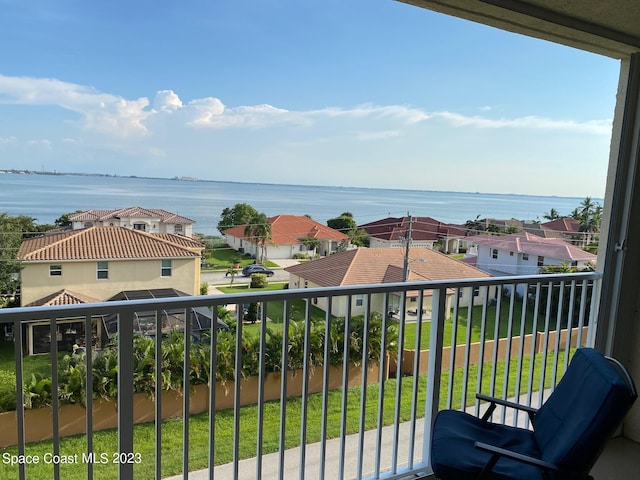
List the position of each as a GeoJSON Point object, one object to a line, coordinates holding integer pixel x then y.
{"type": "Point", "coordinates": [405, 271]}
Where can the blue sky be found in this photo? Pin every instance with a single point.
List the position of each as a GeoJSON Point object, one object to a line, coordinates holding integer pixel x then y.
{"type": "Point", "coordinates": [358, 93]}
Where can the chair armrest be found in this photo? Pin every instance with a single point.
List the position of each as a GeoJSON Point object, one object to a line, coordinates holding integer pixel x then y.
{"type": "Point", "coordinates": [498, 401]}
{"type": "Point", "coordinates": [501, 452]}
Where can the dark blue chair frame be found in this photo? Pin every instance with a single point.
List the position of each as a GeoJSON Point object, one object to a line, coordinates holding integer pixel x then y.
{"type": "Point", "coordinates": [569, 432]}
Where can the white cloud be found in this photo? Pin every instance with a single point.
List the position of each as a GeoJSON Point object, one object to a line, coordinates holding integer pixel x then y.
{"type": "Point", "coordinates": [204, 137]}
{"type": "Point", "coordinates": [42, 143]}
{"type": "Point", "coordinates": [102, 112]}
{"type": "Point", "coordinates": [598, 127]}
{"type": "Point", "coordinates": [167, 101]}
{"type": "Point", "coordinates": [380, 135]}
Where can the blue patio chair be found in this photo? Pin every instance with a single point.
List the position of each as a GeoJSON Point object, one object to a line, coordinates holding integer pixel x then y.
{"type": "Point", "coordinates": [569, 430]}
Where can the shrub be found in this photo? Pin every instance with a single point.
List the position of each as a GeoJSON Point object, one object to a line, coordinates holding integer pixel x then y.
{"type": "Point", "coordinates": [259, 280]}
{"type": "Point", "coordinates": [72, 368]}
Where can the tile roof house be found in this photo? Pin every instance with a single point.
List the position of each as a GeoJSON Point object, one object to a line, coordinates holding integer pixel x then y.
{"type": "Point", "coordinates": [524, 253]}
{"type": "Point", "coordinates": [425, 232]}
{"type": "Point", "coordinates": [567, 229]}
{"type": "Point", "coordinates": [95, 264]}
{"type": "Point", "coordinates": [287, 234]}
{"type": "Point", "coordinates": [138, 218]}
{"type": "Point", "coordinates": [99, 262]}
{"type": "Point", "coordinates": [364, 266]}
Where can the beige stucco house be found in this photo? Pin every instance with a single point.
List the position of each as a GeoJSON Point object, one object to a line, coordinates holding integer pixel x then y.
{"type": "Point", "coordinates": [101, 261]}
{"type": "Point", "coordinates": [97, 263]}
{"type": "Point", "coordinates": [363, 266]}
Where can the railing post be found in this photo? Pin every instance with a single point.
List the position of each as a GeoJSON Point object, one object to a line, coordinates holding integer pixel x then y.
{"type": "Point", "coordinates": [434, 370]}
{"type": "Point", "coordinates": [125, 393]}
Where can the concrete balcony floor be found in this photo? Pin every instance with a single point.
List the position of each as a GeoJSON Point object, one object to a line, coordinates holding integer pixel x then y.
{"type": "Point", "coordinates": [619, 461]}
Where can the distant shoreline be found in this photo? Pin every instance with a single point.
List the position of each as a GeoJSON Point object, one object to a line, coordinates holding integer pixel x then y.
{"type": "Point", "coordinates": [194, 179]}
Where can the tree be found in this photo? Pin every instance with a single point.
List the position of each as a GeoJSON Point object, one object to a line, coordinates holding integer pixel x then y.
{"type": "Point", "coordinates": [258, 229]}
{"type": "Point", "coordinates": [240, 214]}
{"type": "Point", "coordinates": [475, 225]}
{"type": "Point", "coordinates": [63, 220]}
{"type": "Point", "coordinates": [552, 215]}
{"type": "Point", "coordinates": [12, 231]}
{"type": "Point", "coordinates": [347, 225]}
{"type": "Point", "coordinates": [311, 243]}
{"type": "Point", "coordinates": [344, 223]}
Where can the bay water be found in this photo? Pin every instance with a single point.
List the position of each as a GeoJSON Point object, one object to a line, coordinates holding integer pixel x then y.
{"type": "Point", "coordinates": [47, 197]}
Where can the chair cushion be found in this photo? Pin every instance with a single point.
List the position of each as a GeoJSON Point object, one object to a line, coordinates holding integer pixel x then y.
{"type": "Point", "coordinates": [587, 405]}
{"type": "Point", "coordinates": [453, 455]}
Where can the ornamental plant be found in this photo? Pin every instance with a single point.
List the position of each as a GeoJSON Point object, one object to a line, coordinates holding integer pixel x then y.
{"type": "Point", "coordinates": [72, 368]}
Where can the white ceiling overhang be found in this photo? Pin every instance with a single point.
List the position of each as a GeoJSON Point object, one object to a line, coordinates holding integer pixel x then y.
{"type": "Point", "coordinates": [606, 27]}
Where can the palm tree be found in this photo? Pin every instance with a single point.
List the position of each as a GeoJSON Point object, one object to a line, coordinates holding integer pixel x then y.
{"type": "Point", "coordinates": [589, 216]}
{"type": "Point", "coordinates": [552, 215]}
{"type": "Point", "coordinates": [259, 229]}
{"type": "Point", "coordinates": [311, 243]}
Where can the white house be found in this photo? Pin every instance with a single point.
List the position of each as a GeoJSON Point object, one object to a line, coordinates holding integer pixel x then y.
{"type": "Point", "coordinates": [525, 254]}
{"type": "Point", "coordinates": [290, 235]}
{"type": "Point", "coordinates": [138, 218]}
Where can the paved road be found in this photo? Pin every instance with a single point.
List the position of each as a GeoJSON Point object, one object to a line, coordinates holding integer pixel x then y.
{"type": "Point", "coordinates": [219, 278]}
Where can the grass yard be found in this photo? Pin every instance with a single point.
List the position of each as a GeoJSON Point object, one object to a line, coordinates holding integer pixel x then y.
{"type": "Point", "coordinates": [31, 364]}
{"type": "Point", "coordinates": [476, 315]}
{"type": "Point", "coordinates": [144, 435]}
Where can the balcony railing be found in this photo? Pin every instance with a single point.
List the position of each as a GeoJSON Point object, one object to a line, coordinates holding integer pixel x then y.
{"type": "Point", "coordinates": [509, 337]}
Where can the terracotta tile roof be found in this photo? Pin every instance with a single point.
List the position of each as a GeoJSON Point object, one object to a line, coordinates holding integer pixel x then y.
{"type": "Point", "coordinates": [382, 265]}
{"type": "Point", "coordinates": [289, 229]}
{"type": "Point", "coordinates": [130, 212]}
{"type": "Point", "coordinates": [63, 297]}
{"type": "Point", "coordinates": [101, 243]}
{"type": "Point", "coordinates": [526, 242]}
{"type": "Point", "coordinates": [422, 228]}
{"type": "Point", "coordinates": [565, 224]}
{"type": "Point", "coordinates": [189, 242]}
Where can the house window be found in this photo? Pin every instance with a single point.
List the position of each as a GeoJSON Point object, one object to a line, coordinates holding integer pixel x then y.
{"type": "Point", "coordinates": [140, 226]}
{"type": "Point", "coordinates": [103, 270]}
{"type": "Point", "coordinates": [55, 270]}
{"type": "Point", "coordinates": [540, 261]}
{"type": "Point", "coordinates": [511, 254]}
{"type": "Point", "coordinates": [525, 257]}
{"type": "Point", "coordinates": [177, 229]}
{"type": "Point", "coordinates": [166, 268]}
{"type": "Point", "coordinates": [494, 253]}
{"type": "Point", "coordinates": [88, 224]}
{"type": "Point", "coordinates": [359, 300]}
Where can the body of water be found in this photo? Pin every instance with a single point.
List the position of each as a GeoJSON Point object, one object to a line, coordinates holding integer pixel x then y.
{"type": "Point", "coordinates": [47, 197]}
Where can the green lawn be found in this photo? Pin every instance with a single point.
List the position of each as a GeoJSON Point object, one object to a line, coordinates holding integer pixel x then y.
{"type": "Point", "coordinates": [31, 364]}
{"type": "Point", "coordinates": [476, 316]}
{"type": "Point", "coordinates": [144, 435]}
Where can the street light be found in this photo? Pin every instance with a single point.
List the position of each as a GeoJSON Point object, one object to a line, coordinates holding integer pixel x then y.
{"type": "Point", "coordinates": [407, 262]}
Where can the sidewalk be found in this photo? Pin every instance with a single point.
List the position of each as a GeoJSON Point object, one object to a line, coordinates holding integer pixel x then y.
{"type": "Point", "coordinates": [270, 462]}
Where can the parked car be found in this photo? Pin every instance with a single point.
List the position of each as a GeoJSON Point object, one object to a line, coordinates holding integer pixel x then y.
{"type": "Point", "coordinates": [254, 268]}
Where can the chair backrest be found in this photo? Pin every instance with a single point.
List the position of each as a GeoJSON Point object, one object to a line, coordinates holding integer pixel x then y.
{"type": "Point", "coordinates": [591, 400]}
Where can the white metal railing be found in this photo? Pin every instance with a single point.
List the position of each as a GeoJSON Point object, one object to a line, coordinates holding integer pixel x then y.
{"type": "Point", "coordinates": [385, 432]}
